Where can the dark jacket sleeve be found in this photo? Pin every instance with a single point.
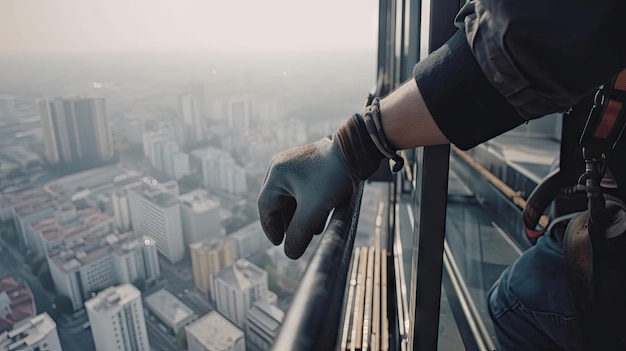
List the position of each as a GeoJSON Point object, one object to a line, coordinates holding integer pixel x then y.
{"type": "Point", "coordinates": [520, 60]}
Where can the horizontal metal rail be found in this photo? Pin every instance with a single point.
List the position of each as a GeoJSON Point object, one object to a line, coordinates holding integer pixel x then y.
{"type": "Point", "coordinates": [313, 321]}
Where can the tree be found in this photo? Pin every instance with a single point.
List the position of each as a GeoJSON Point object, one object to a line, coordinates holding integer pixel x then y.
{"type": "Point", "coordinates": [44, 277]}
{"type": "Point", "coordinates": [64, 304]}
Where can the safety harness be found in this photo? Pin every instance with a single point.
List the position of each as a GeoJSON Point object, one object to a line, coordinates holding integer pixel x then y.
{"type": "Point", "coordinates": [605, 216]}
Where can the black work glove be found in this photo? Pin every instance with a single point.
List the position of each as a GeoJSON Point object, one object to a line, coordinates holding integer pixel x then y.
{"type": "Point", "coordinates": [304, 184]}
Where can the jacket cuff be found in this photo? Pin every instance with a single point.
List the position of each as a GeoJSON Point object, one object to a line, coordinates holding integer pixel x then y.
{"type": "Point", "coordinates": [464, 105]}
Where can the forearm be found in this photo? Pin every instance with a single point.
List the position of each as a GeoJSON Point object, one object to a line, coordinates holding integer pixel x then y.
{"type": "Point", "coordinates": [406, 120]}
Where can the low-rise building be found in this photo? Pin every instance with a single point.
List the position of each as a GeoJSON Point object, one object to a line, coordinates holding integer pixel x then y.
{"type": "Point", "coordinates": [101, 261]}
{"type": "Point", "coordinates": [16, 303]}
{"type": "Point", "coordinates": [263, 323]}
{"type": "Point", "coordinates": [38, 333]}
{"type": "Point", "coordinates": [213, 332]}
{"type": "Point", "coordinates": [174, 314]}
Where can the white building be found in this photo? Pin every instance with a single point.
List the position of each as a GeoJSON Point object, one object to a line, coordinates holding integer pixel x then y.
{"type": "Point", "coordinates": [155, 212]}
{"type": "Point", "coordinates": [213, 332]}
{"type": "Point", "coordinates": [200, 216]}
{"type": "Point", "coordinates": [117, 319]}
{"type": "Point", "coordinates": [136, 259]}
{"type": "Point", "coordinates": [250, 240]}
{"type": "Point", "coordinates": [220, 172]}
{"type": "Point", "coordinates": [236, 288]}
{"type": "Point", "coordinates": [121, 212]}
{"type": "Point", "coordinates": [38, 333]}
{"type": "Point", "coordinates": [262, 326]}
{"type": "Point", "coordinates": [165, 154]}
{"type": "Point", "coordinates": [170, 310]}
{"type": "Point", "coordinates": [180, 165]}
{"type": "Point", "coordinates": [100, 262]}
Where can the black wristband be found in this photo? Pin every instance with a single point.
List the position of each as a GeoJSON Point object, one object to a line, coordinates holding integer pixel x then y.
{"type": "Point", "coordinates": [358, 150]}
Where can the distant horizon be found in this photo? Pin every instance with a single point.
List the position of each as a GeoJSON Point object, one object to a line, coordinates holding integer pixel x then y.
{"type": "Point", "coordinates": [77, 26]}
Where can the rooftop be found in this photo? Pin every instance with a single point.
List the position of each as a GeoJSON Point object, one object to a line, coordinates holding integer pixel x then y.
{"type": "Point", "coordinates": [243, 274]}
{"type": "Point", "coordinates": [169, 308]}
{"type": "Point", "coordinates": [113, 298]}
{"type": "Point", "coordinates": [266, 316]}
{"type": "Point", "coordinates": [208, 245]}
{"type": "Point", "coordinates": [251, 229]}
{"type": "Point", "coordinates": [16, 303]}
{"type": "Point", "coordinates": [27, 333]}
{"type": "Point", "coordinates": [214, 332]}
{"type": "Point", "coordinates": [199, 201]}
{"type": "Point", "coordinates": [52, 228]}
{"type": "Point", "coordinates": [157, 193]}
{"type": "Point", "coordinates": [95, 247]}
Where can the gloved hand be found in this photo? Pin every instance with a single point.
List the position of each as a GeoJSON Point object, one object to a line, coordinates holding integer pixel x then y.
{"type": "Point", "coordinates": [304, 184]}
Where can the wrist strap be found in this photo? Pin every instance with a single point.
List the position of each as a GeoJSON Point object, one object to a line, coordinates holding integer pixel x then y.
{"type": "Point", "coordinates": [374, 126]}
{"type": "Point", "coordinates": [363, 143]}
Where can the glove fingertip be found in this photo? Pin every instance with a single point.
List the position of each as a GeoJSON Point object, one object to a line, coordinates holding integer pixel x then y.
{"type": "Point", "coordinates": [273, 227]}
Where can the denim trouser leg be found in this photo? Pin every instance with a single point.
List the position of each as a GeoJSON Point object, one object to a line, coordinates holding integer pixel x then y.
{"type": "Point", "coordinates": [530, 303]}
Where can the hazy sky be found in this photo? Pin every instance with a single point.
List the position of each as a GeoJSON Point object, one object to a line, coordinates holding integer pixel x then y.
{"type": "Point", "coordinates": [60, 26]}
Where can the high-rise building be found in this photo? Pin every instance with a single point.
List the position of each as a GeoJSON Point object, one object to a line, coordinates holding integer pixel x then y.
{"type": "Point", "coordinates": [220, 172]}
{"type": "Point", "coordinates": [190, 113]}
{"type": "Point", "coordinates": [155, 212]}
{"type": "Point", "coordinates": [38, 333]}
{"type": "Point", "coordinates": [117, 319]}
{"type": "Point", "coordinates": [174, 314]}
{"type": "Point", "coordinates": [76, 130]}
{"type": "Point", "coordinates": [200, 216]}
{"type": "Point", "coordinates": [213, 332]}
{"type": "Point", "coordinates": [239, 115]}
{"type": "Point", "coordinates": [262, 326]}
{"type": "Point", "coordinates": [209, 257]}
{"type": "Point", "coordinates": [236, 288]}
{"type": "Point", "coordinates": [121, 212]}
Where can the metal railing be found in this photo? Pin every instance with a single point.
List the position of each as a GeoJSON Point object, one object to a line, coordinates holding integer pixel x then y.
{"type": "Point", "coordinates": [313, 321]}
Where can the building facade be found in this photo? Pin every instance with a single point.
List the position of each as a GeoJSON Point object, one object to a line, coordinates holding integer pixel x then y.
{"type": "Point", "coordinates": [117, 319]}
{"type": "Point", "coordinates": [155, 212]}
{"type": "Point", "coordinates": [250, 240]}
{"type": "Point", "coordinates": [209, 257]}
{"type": "Point", "coordinates": [76, 130]}
{"type": "Point", "coordinates": [236, 288]}
{"type": "Point", "coordinates": [200, 216]}
{"type": "Point", "coordinates": [100, 262]}
{"type": "Point", "coordinates": [262, 326]}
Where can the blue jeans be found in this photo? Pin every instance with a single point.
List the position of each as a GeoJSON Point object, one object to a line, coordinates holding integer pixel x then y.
{"type": "Point", "coordinates": [530, 304]}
